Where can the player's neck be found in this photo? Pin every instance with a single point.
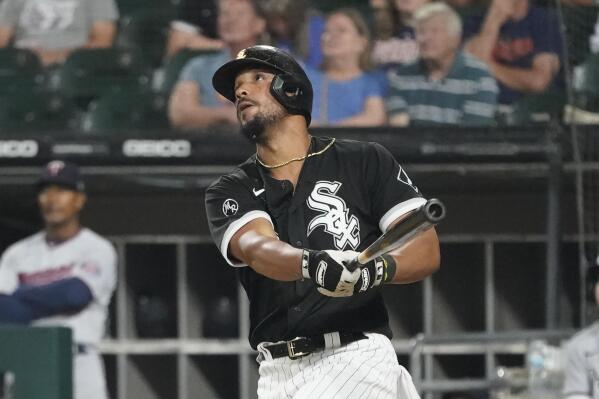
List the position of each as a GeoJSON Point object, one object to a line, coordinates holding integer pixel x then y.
{"type": "Point", "coordinates": [285, 143]}
{"type": "Point", "coordinates": [62, 232]}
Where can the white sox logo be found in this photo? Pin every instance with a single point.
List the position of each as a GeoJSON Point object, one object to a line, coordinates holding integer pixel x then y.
{"type": "Point", "coordinates": [335, 217]}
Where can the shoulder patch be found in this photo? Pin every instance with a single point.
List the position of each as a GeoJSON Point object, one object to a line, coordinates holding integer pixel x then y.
{"type": "Point", "coordinates": [230, 207]}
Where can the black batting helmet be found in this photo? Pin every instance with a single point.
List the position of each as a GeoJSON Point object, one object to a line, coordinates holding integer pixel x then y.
{"type": "Point", "coordinates": [290, 86]}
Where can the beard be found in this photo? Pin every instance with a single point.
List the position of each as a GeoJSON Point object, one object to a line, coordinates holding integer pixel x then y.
{"type": "Point", "coordinates": [255, 129]}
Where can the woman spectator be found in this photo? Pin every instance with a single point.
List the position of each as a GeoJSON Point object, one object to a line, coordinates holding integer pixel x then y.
{"type": "Point", "coordinates": [394, 35]}
{"type": "Point", "coordinates": [345, 93]}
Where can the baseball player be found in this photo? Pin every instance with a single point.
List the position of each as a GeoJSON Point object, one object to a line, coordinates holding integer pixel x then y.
{"type": "Point", "coordinates": [581, 353]}
{"type": "Point", "coordinates": [62, 276]}
{"type": "Point", "coordinates": [291, 218]}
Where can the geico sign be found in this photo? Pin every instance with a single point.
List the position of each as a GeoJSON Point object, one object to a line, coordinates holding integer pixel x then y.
{"type": "Point", "coordinates": [18, 148]}
{"type": "Point", "coordinates": [157, 148]}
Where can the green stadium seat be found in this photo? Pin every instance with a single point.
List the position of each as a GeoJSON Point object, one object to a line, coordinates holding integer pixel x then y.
{"type": "Point", "coordinates": [135, 112]}
{"type": "Point", "coordinates": [586, 84]}
{"type": "Point", "coordinates": [538, 108]}
{"type": "Point", "coordinates": [90, 73]}
{"type": "Point", "coordinates": [579, 25]}
{"type": "Point", "coordinates": [20, 69]}
{"type": "Point", "coordinates": [174, 65]}
{"type": "Point", "coordinates": [148, 30]}
{"type": "Point", "coordinates": [37, 112]}
{"type": "Point", "coordinates": [127, 7]}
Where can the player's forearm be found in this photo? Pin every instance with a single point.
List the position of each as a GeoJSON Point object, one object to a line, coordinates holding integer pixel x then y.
{"type": "Point", "coordinates": [417, 259]}
{"type": "Point", "coordinates": [272, 258]}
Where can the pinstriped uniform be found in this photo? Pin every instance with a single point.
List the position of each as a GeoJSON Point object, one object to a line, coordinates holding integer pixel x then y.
{"type": "Point", "coordinates": [366, 368]}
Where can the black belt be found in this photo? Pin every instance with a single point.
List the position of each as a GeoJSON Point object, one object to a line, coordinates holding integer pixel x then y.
{"type": "Point", "coordinates": [302, 346]}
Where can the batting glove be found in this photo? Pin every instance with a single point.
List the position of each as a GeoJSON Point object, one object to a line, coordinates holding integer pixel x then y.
{"type": "Point", "coordinates": [378, 271]}
{"type": "Point", "coordinates": [328, 270]}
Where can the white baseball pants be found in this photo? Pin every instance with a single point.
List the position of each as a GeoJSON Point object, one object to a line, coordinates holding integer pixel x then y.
{"type": "Point", "coordinates": [364, 369]}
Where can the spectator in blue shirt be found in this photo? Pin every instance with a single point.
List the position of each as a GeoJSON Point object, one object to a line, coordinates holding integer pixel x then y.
{"type": "Point", "coordinates": [520, 43]}
{"type": "Point", "coordinates": [345, 93]}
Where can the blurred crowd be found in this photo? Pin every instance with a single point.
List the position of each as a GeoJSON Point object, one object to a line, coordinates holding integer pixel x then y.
{"type": "Point", "coordinates": [149, 64]}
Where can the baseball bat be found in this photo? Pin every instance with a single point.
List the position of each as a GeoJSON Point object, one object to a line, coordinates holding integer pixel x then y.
{"type": "Point", "coordinates": [420, 220]}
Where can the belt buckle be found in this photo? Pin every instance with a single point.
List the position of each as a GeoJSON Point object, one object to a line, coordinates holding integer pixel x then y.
{"type": "Point", "coordinates": [291, 350]}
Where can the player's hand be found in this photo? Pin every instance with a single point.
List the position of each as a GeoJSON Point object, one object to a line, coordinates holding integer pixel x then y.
{"type": "Point", "coordinates": [378, 271]}
{"type": "Point", "coordinates": [328, 270]}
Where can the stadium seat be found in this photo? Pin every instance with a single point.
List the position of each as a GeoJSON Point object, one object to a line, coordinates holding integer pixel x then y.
{"type": "Point", "coordinates": [37, 112]}
{"type": "Point", "coordinates": [148, 30]}
{"type": "Point", "coordinates": [586, 84]}
{"type": "Point", "coordinates": [135, 112]}
{"type": "Point", "coordinates": [174, 65]}
{"type": "Point", "coordinates": [579, 25]}
{"type": "Point", "coordinates": [538, 108]}
{"type": "Point", "coordinates": [128, 7]}
{"type": "Point", "coordinates": [88, 74]}
{"type": "Point", "coordinates": [20, 70]}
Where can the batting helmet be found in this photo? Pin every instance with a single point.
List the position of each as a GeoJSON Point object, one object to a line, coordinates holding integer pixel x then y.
{"type": "Point", "coordinates": [290, 86]}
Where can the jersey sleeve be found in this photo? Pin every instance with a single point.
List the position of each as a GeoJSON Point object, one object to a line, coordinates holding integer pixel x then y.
{"type": "Point", "coordinates": [9, 280]}
{"type": "Point", "coordinates": [230, 205]}
{"type": "Point", "coordinates": [391, 191]}
{"type": "Point", "coordinates": [97, 269]}
{"type": "Point", "coordinates": [576, 379]}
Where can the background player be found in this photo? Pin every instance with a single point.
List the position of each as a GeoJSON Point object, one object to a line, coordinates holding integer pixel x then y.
{"type": "Point", "coordinates": [62, 276]}
{"type": "Point", "coordinates": [581, 353]}
{"type": "Point", "coordinates": [290, 218]}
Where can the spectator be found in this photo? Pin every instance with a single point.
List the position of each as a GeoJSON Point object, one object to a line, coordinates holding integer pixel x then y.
{"type": "Point", "coordinates": [445, 86]}
{"type": "Point", "coordinates": [394, 35]}
{"type": "Point", "coordinates": [345, 94]}
{"type": "Point", "coordinates": [294, 27]}
{"type": "Point", "coordinates": [195, 27]}
{"type": "Point", "coordinates": [520, 43]}
{"type": "Point", "coordinates": [194, 103]}
{"type": "Point", "coordinates": [53, 29]}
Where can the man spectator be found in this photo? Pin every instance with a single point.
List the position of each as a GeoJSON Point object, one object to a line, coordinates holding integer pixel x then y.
{"type": "Point", "coordinates": [445, 86]}
{"type": "Point", "coordinates": [194, 28]}
{"type": "Point", "coordinates": [520, 43]}
{"type": "Point", "coordinates": [194, 103]}
{"type": "Point", "coordinates": [53, 29]}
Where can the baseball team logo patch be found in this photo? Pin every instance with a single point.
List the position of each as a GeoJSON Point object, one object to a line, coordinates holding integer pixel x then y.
{"type": "Point", "coordinates": [230, 207]}
{"type": "Point", "coordinates": [335, 217]}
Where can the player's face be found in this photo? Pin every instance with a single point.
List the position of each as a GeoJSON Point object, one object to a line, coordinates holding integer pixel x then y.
{"type": "Point", "coordinates": [59, 205]}
{"type": "Point", "coordinates": [435, 40]}
{"type": "Point", "coordinates": [252, 90]}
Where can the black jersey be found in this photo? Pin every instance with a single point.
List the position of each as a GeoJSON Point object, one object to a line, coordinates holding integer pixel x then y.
{"type": "Point", "coordinates": [343, 199]}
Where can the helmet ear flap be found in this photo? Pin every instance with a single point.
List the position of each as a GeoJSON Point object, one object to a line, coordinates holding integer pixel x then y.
{"type": "Point", "coordinates": [291, 94]}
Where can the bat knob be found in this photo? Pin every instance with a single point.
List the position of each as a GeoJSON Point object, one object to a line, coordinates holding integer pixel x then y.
{"type": "Point", "coordinates": [434, 210]}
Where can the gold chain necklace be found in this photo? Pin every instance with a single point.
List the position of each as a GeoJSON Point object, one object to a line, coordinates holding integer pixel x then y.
{"type": "Point", "coordinates": [295, 159]}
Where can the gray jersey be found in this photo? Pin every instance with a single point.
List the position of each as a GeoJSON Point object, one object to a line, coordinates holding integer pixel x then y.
{"type": "Point", "coordinates": [33, 261]}
{"type": "Point", "coordinates": [54, 24]}
{"type": "Point", "coordinates": [581, 367]}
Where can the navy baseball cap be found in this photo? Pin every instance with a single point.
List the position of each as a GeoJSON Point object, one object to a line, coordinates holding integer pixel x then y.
{"type": "Point", "coordinates": [61, 173]}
